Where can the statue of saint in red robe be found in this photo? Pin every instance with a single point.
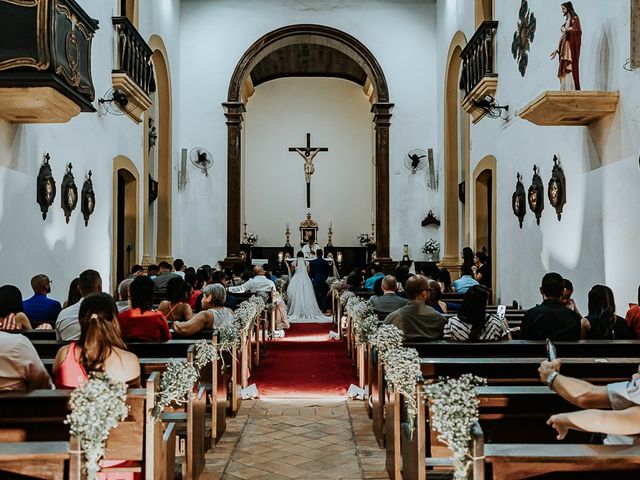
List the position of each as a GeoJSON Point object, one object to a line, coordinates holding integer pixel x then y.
{"type": "Point", "coordinates": [569, 50]}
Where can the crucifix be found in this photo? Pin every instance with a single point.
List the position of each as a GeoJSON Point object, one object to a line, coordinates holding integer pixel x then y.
{"type": "Point", "coordinates": [308, 153]}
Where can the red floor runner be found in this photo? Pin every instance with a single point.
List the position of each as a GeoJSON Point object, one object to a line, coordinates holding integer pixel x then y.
{"type": "Point", "coordinates": [305, 364]}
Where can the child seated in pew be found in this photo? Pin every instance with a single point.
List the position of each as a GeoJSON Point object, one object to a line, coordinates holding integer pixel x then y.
{"type": "Point", "coordinates": [213, 315]}
{"type": "Point", "coordinates": [621, 419]}
{"type": "Point", "coordinates": [99, 349]}
{"type": "Point", "coordinates": [473, 323]}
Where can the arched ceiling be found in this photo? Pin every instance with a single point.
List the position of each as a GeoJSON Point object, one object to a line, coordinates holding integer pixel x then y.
{"type": "Point", "coordinates": [307, 60]}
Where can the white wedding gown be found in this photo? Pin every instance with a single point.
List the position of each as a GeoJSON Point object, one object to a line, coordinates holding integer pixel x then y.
{"type": "Point", "coordinates": [303, 307]}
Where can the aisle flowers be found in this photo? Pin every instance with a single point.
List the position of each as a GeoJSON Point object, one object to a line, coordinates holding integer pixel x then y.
{"type": "Point", "coordinates": [454, 409]}
{"type": "Point", "coordinates": [96, 408]}
{"type": "Point", "coordinates": [176, 386]}
{"type": "Point", "coordinates": [366, 328]}
{"type": "Point", "coordinates": [387, 339]}
{"type": "Point", "coordinates": [402, 372]}
{"type": "Point", "coordinates": [345, 297]}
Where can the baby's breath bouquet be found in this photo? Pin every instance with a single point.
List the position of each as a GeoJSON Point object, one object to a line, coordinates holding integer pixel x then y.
{"type": "Point", "coordinates": [402, 372]}
{"type": "Point", "coordinates": [205, 354]}
{"type": "Point", "coordinates": [176, 386]}
{"type": "Point", "coordinates": [454, 408]}
{"type": "Point", "coordinates": [431, 247]}
{"type": "Point", "coordinates": [366, 328]}
{"type": "Point", "coordinates": [386, 339]}
{"type": "Point", "coordinates": [246, 313]}
{"type": "Point", "coordinates": [228, 337]}
{"type": "Point", "coordinates": [345, 297]}
{"type": "Point", "coordinates": [281, 283]}
{"type": "Point", "coordinates": [336, 285]}
{"type": "Point", "coordinates": [96, 408]}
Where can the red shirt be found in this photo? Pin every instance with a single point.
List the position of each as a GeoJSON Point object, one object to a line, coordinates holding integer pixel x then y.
{"type": "Point", "coordinates": [633, 319]}
{"type": "Point", "coordinates": [194, 298]}
{"type": "Point", "coordinates": [150, 326]}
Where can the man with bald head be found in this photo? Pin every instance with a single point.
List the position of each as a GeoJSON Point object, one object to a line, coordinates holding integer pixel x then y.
{"type": "Point", "coordinates": [389, 301]}
{"type": "Point", "coordinates": [417, 320]}
{"type": "Point", "coordinates": [40, 309]}
{"type": "Point", "coordinates": [259, 283]}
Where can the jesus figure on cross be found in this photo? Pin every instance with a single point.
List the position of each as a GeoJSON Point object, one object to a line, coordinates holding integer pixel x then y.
{"type": "Point", "coordinates": [308, 153]}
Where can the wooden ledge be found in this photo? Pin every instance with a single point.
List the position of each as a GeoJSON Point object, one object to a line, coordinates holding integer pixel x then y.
{"type": "Point", "coordinates": [139, 102]}
{"type": "Point", "coordinates": [571, 107]}
{"type": "Point", "coordinates": [487, 87]}
{"type": "Point", "coordinates": [36, 105]}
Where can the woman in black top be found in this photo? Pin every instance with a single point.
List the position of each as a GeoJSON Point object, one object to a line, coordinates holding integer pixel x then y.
{"type": "Point", "coordinates": [604, 324]}
{"type": "Point", "coordinates": [482, 270]}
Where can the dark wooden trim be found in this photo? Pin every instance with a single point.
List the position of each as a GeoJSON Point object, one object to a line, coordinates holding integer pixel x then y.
{"type": "Point", "coordinates": [233, 112]}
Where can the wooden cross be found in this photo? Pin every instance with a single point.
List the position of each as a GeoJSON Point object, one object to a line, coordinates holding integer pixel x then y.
{"type": "Point", "coordinates": [308, 153]}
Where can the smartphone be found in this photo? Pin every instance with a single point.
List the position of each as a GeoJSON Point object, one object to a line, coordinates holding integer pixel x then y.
{"type": "Point", "coordinates": [501, 311]}
{"type": "Point", "coordinates": [551, 351]}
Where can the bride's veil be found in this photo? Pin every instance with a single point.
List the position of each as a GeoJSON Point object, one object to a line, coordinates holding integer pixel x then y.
{"type": "Point", "coordinates": [302, 298]}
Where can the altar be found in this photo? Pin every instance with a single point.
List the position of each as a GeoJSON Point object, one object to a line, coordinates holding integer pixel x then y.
{"type": "Point", "coordinates": [334, 269]}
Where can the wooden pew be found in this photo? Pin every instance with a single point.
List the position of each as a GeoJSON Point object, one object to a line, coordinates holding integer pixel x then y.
{"type": "Point", "coordinates": [43, 460]}
{"type": "Point", "coordinates": [173, 348]}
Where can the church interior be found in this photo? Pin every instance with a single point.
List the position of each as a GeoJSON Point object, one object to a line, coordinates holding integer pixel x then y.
{"type": "Point", "coordinates": [319, 239]}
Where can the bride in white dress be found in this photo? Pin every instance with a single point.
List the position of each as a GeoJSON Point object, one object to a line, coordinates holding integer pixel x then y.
{"type": "Point", "coordinates": [303, 307]}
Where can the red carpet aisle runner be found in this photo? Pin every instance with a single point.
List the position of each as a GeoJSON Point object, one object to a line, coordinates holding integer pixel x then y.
{"type": "Point", "coordinates": [305, 364]}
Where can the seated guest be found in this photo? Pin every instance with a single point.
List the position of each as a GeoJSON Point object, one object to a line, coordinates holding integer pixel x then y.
{"type": "Point", "coordinates": [633, 317]}
{"type": "Point", "coordinates": [416, 319]}
{"type": "Point", "coordinates": [236, 277]}
{"type": "Point", "coordinates": [388, 302]}
{"type": "Point", "coordinates": [473, 323]}
{"type": "Point", "coordinates": [268, 273]}
{"type": "Point", "coordinates": [68, 325]}
{"type": "Point", "coordinates": [354, 281]}
{"type": "Point", "coordinates": [213, 315]}
{"type": "Point", "coordinates": [141, 322]}
{"type": "Point", "coordinates": [20, 366]}
{"type": "Point", "coordinates": [123, 294]}
{"type": "Point", "coordinates": [620, 404]}
{"type": "Point", "coordinates": [435, 295]}
{"type": "Point", "coordinates": [551, 319]}
{"type": "Point", "coordinates": [445, 280]}
{"type": "Point", "coordinates": [192, 293]}
{"type": "Point", "coordinates": [259, 283]}
{"type": "Point", "coordinates": [73, 295]}
{"type": "Point", "coordinates": [604, 324]}
{"type": "Point", "coordinates": [377, 288]}
{"type": "Point", "coordinates": [99, 349]}
{"type": "Point", "coordinates": [221, 278]}
{"type": "Point", "coordinates": [153, 271]}
{"type": "Point", "coordinates": [401, 274]}
{"type": "Point", "coordinates": [176, 306]}
{"type": "Point", "coordinates": [136, 270]}
{"type": "Point", "coordinates": [468, 257]}
{"type": "Point", "coordinates": [161, 281]}
{"type": "Point", "coordinates": [376, 273]}
{"type": "Point", "coordinates": [247, 275]}
{"type": "Point", "coordinates": [11, 315]}
{"type": "Point", "coordinates": [179, 267]}
{"type": "Point", "coordinates": [482, 271]}
{"type": "Point", "coordinates": [465, 281]}
{"type": "Point", "coordinates": [566, 299]}
{"type": "Point", "coordinates": [39, 308]}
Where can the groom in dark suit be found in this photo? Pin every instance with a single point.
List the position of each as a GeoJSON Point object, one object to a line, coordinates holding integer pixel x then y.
{"type": "Point", "coordinates": [319, 270]}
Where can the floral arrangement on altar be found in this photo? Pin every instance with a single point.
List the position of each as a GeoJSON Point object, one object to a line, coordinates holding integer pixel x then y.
{"type": "Point", "coordinates": [454, 408]}
{"type": "Point", "coordinates": [364, 239]}
{"type": "Point", "coordinates": [251, 238]}
{"type": "Point", "coordinates": [96, 408]}
{"type": "Point", "coordinates": [431, 247]}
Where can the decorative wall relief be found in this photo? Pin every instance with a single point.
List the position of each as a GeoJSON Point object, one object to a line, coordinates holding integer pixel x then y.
{"type": "Point", "coordinates": [536, 195]}
{"type": "Point", "coordinates": [153, 190]}
{"type": "Point", "coordinates": [45, 186]}
{"type": "Point", "coordinates": [88, 199]}
{"type": "Point", "coordinates": [518, 201]}
{"type": "Point", "coordinates": [69, 193]}
{"type": "Point", "coordinates": [431, 219]}
{"type": "Point", "coordinates": [523, 37]}
{"type": "Point", "coordinates": [557, 190]}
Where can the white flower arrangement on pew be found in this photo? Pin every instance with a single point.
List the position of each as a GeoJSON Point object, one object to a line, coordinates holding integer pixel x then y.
{"type": "Point", "coordinates": [402, 372]}
{"type": "Point", "coordinates": [387, 339]}
{"type": "Point", "coordinates": [366, 328]}
{"type": "Point", "coordinates": [454, 408]}
{"type": "Point", "coordinates": [345, 297]}
{"type": "Point", "coordinates": [205, 353]}
{"type": "Point", "coordinates": [281, 283]}
{"type": "Point", "coordinates": [97, 407]}
{"type": "Point", "coordinates": [336, 286]}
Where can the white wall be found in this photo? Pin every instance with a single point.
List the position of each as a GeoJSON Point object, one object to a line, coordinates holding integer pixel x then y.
{"type": "Point", "coordinates": [279, 114]}
{"type": "Point", "coordinates": [29, 245]}
{"type": "Point", "coordinates": [215, 35]}
{"type": "Point", "coordinates": [597, 239]}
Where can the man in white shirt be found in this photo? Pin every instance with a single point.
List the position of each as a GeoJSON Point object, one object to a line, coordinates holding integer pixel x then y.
{"type": "Point", "coordinates": [310, 249]}
{"type": "Point", "coordinates": [20, 366]}
{"type": "Point", "coordinates": [259, 283]}
{"type": "Point", "coordinates": [68, 324]}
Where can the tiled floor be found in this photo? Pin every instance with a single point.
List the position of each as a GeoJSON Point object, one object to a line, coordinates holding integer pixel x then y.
{"type": "Point", "coordinates": [297, 439]}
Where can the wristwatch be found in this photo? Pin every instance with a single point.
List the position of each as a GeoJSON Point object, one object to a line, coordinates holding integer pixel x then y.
{"type": "Point", "coordinates": [550, 378]}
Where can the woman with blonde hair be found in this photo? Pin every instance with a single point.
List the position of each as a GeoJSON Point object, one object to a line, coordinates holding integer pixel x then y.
{"type": "Point", "coordinates": [99, 349]}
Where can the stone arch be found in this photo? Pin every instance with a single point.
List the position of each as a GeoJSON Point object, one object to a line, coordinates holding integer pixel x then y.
{"type": "Point", "coordinates": [485, 211]}
{"type": "Point", "coordinates": [165, 160]}
{"type": "Point", "coordinates": [235, 107]}
{"type": "Point", "coordinates": [125, 225]}
{"type": "Point", "coordinates": [452, 110]}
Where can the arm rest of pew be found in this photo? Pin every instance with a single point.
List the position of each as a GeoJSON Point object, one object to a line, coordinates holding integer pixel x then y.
{"type": "Point", "coordinates": [167, 463]}
{"type": "Point", "coordinates": [523, 460]}
{"type": "Point", "coordinates": [44, 460]}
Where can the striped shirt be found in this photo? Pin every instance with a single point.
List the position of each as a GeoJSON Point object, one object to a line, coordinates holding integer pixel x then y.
{"type": "Point", "coordinates": [459, 331]}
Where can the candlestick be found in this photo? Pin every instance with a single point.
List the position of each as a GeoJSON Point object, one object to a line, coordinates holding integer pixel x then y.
{"type": "Point", "coordinates": [287, 234]}
{"type": "Point", "coordinates": [244, 233]}
{"type": "Point", "coordinates": [329, 241]}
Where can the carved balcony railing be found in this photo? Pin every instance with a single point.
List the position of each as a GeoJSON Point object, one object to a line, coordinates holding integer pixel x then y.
{"type": "Point", "coordinates": [479, 78]}
{"type": "Point", "coordinates": [45, 61]}
{"type": "Point", "coordinates": [133, 72]}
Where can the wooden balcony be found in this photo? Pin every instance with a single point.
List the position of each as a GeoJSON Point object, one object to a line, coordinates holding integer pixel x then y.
{"type": "Point", "coordinates": [133, 74]}
{"type": "Point", "coordinates": [570, 107]}
{"type": "Point", "coordinates": [479, 78]}
{"type": "Point", "coordinates": [45, 61]}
